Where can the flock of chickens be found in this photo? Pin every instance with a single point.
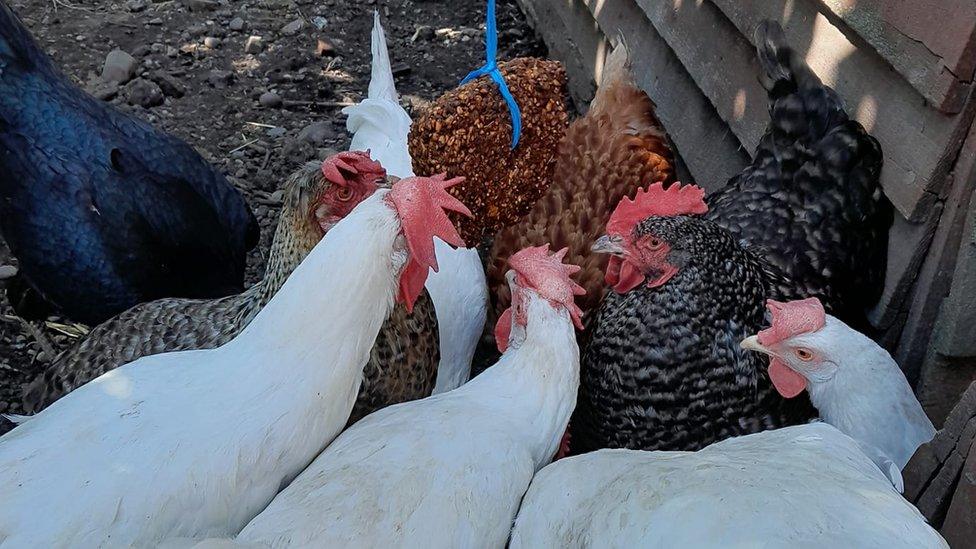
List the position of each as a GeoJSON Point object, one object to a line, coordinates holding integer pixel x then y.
{"type": "Point", "coordinates": [670, 349]}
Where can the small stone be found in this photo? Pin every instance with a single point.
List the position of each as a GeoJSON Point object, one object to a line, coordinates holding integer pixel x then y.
{"type": "Point", "coordinates": [171, 51]}
{"type": "Point", "coordinates": [170, 85]}
{"type": "Point", "coordinates": [236, 24]}
{"type": "Point", "coordinates": [423, 32]}
{"type": "Point", "coordinates": [144, 93]}
{"type": "Point", "coordinates": [141, 51]}
{"type": "Point", "coordinates": [320, 22]}
{"type": "Point", "coordinates": [211, 42]}
{"type": "Point", "coordinates": [325, 48]}
{"type": "Point", "coordinates": [219, 78]}
{"type": "Point", "coordinates": [291, 29]}
{"type": "Point", "coordinates": [253, 44]}
{"type": "Point", "coordinates": [104, 91]}
{"type": "Point", "coordinates": [157, 48]}
{"type": "Point", "coordinates": [155, 21]}
{"type": "Point", "coordinates": [317, 133]}
{"type": "Point", "coordinates": [136, 6]}
{"type": "Point", "coordinates": [119, 67]}
{"type": "Point", "coordinates": [297, 151]}
{"type": "Point", "coordinates": [275, 132]}
{"type": "Point", "coordinates": [401, 69]}
{"type": "Point", "coordinates": [196, 31]}
{"type": "Point", "coordinates": [7, 271]}
{"type": "Point", "coordinates": [270, 100]}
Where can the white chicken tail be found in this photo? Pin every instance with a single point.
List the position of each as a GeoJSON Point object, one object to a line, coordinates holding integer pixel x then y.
{"type": "Point", "coordinates": [378, 123]}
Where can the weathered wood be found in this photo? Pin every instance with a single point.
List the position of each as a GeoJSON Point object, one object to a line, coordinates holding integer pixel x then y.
{"type": "Point", "coordinates": [958, 326]}
{"type": "Point", "coordinates": [548, 19]}
{"type": "Point", "coordinates": [711, 152]}
{"type": "Point", "coordinates": [908, 244]}
{"type": "Point", "coordinates": [929, 475]}
{"type": "Point", "coordinates": [959, 528]}
{"type": "Point", "coordinates": [915, 168]}
{"type": "Point", "coordinates": [933, 282]}
{"type": "Point", "coordinates": [932, 44]}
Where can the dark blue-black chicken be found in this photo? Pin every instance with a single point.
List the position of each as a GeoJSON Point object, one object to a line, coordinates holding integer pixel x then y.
{"type": "Point", "coordinates": [101, 210]}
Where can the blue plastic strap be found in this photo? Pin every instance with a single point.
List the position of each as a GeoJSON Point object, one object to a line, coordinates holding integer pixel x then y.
{"type": "Point", "coordinates": [490, 68]}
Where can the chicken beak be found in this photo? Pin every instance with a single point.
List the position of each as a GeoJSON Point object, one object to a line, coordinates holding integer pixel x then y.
{"type": "Point", "coordinates": [608, 244]}
{"type": "Point", "coordinates": [751, 343]}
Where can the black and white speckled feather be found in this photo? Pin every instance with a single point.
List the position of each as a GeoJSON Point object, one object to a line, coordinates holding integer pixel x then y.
{"type": "Point", "coordinates": [661, 367]}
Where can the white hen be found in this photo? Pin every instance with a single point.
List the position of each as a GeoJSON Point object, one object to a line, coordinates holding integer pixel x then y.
{"type": "Point", "coordinates": [459, 290]}
{"type": "Point", "coordinates": [196, 443]}
{"type": "Point", "coordinates": [853, 382]}
{"type": "Point", "coordinates": [448, 470]}
{"type": "Point", "coordinates": [807, 486]}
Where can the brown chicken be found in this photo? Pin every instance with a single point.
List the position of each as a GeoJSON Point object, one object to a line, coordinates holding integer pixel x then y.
{"type": "Point", "coordinates": [607, 154]}
{"type": "Point", "coordinates": [468, 132]}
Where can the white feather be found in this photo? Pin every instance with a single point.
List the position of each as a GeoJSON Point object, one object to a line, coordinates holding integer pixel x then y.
{"type": "Point", "coordinates": [458, 289]}
{"type": "Point", "coordinates": [864, 393]}
{"type": "Point", "coordinates": [194, 444]}
{"type": "Point", "coordinates": [807, 486]}
{"type": "Point", "coordinates": [445, 471]}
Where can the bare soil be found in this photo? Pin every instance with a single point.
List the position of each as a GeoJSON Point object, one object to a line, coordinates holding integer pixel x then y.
{"type": "Point", "coordinates": [194, 51]}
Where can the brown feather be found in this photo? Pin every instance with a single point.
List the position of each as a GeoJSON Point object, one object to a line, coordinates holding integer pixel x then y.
{"type": "Point", "coordinates": [617, 147]}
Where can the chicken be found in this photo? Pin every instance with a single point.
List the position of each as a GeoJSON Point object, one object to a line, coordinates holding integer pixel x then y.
{"type": "Point", "coordinates": [828, 167]}
{"type": "Point", "coordinates": [101, 210]}
{"type": "Point", "coordinates": [458, 290]}
{"type": "Point", "coordinates": [196, 443]}
{"type": "Point", "coordinates": [448, 470]}
{"type": "Point", "coordinates": [854, 383]}
{"type": "Point", "coordinates": [801, 486]}
{"type": "Point", "coordinates": [607, 154]}
{"type": "Point", "coordinates": [468, 132]}
{"type": "Point", "coordinates": [316, 197]}
{"type": "Point", "coordinates": [662, 367]}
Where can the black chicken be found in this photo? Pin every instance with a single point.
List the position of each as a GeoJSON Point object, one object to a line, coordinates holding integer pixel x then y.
{"type": "Point", "coordinates": [661, 365]}
{"type": "Point", "coordinates": [101, 210]}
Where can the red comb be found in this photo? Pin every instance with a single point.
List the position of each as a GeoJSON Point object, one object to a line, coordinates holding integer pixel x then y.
{"type": "Point", "coordinates": [792, 319]}
{"type": "Point", "coordinates": [339, 168]}
{"type": "Point", "coordinates": [550, 277]}
{"type": "Point", "coordinates": [676, 200]}
{"type": "Point", "coordinates": [422, 204]}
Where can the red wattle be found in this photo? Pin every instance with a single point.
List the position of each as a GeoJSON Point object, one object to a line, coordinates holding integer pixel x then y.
{"type": "Point", "coordinates": [503, 329]}
{"type": "Point", "coordinates": [787, 382]}
{"type": "Point", "coordinates": [630, 277]}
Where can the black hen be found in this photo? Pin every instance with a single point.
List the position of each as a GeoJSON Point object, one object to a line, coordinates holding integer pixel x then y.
{"type": "Point", "coordinates": [102, 211]}
{"type": "Point", "coordinates": [661, 365]}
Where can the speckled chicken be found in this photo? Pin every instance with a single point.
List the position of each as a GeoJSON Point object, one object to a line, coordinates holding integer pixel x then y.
{"type": "Point", "coordinates": [468, 132]}
{"type": "Point", "coordinates": [662, 367]}
{"type": "Point", "coordinates": [403, 362]}
{"type": "Point", "coordinates": [607, 154]}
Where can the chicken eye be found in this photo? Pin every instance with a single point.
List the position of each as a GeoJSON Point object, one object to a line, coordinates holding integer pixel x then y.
{"type": "Point", "coordinates": [804, 354]}
{"type": "Point", "coordinates": [344, 194]}
{"type": "Point", "coordinates": [655, 243]}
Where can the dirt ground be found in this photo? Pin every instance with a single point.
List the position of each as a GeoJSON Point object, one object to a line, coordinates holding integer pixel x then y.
{"type": "Point", "coordinates": [196, 81]}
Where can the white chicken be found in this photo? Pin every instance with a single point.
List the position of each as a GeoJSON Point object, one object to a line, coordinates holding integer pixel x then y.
{"type": "Point", "coordinates": [459, 290]}
{"type": "Point", "coordinates": [804, 486]}
{"type": "Point", "coordinates": [448, 470]}
{"type": "Point", "coordinates": [196, 443]}
{"type": "Point", "coordinates": [854, 383]}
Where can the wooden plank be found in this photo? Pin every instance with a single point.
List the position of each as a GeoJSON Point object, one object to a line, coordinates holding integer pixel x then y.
{"type": "Point", "coordinates": [712, 153]}
{"type": "Point", "coordinates": [959, 528]}
{"type": "Point", "coordinates": [915, 168]}
{"type": "Point", "coordinates": [958, 327]}
{"type": "Point", "coordinates": [546, 17]}
{"type": "Point", "coordinates": [932, 44]}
